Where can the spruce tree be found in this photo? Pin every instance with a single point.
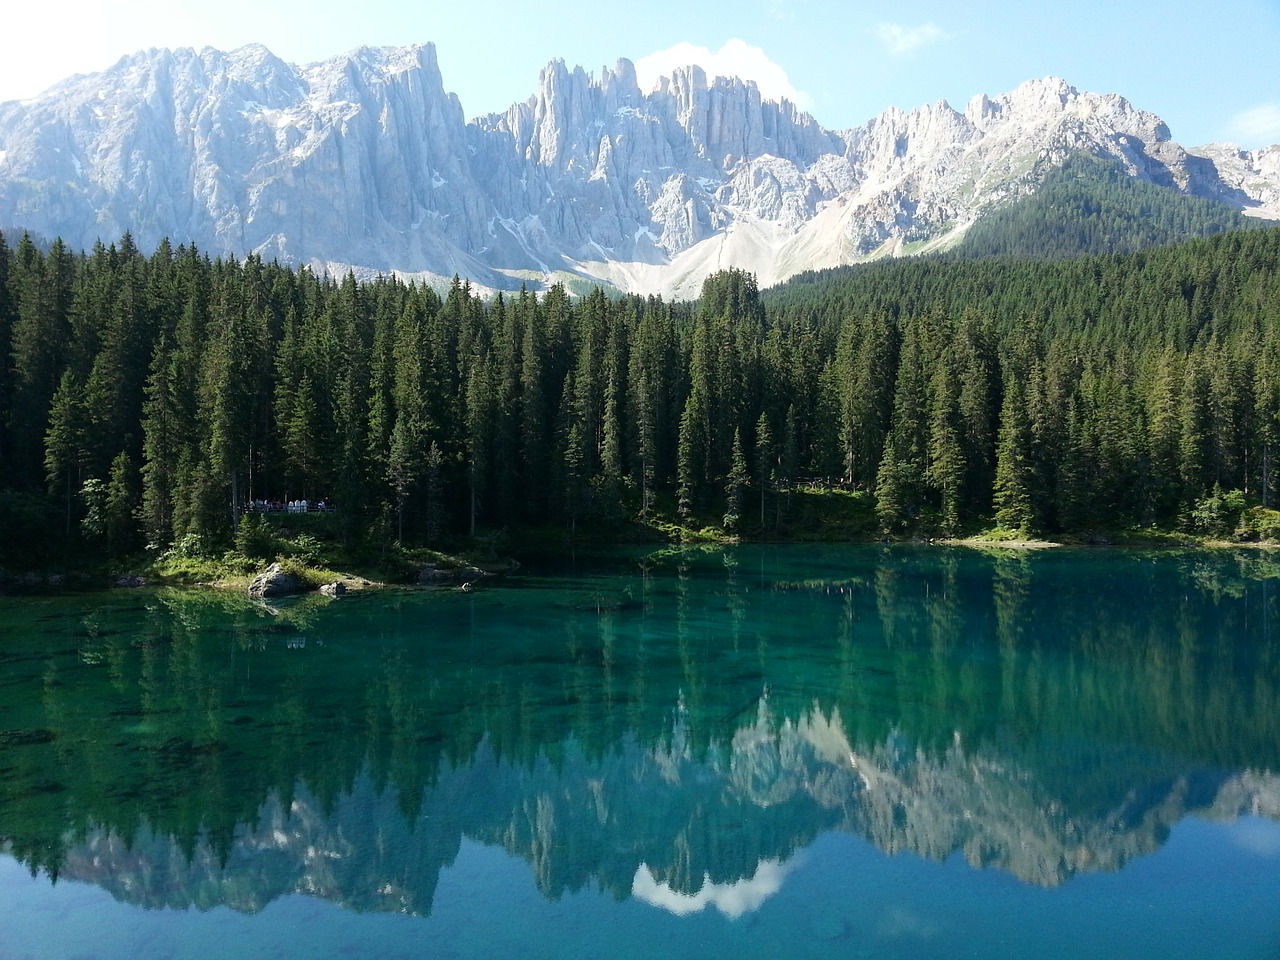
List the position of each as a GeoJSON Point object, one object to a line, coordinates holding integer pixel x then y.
{"type": "Point", "coordinates": [64, 442]}
{"type": "Point", "coordinates": [946, 453]}
{"type": "Point", "coordinates": [480, 403]}
{"type": "Point", "coordinates": [122, 506]}
{"type": "Point", "coordinates": [1014, 470]}
{"type": "Point", "coordinates": [766, 461]}
{"type": "Point", "coordinates": [735, 483]}
{"type": "Point", "coordinates": [162, 443]}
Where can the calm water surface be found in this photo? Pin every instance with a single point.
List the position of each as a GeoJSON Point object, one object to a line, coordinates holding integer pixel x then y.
{"type": "Point", "coordinates": [760, 752]}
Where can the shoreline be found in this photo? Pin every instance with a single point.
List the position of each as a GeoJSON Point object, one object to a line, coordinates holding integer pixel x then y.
{"type": "Point", "coordinates": [462, 574]}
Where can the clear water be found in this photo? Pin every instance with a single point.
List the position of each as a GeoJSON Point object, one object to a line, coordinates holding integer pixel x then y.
{"type": "Point", "coordinates": [758, 752]}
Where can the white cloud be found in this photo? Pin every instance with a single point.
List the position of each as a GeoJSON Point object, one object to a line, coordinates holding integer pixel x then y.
{"type": "Point", "coordinates": [731, 899]}
{"type": "Point", "coordinates": [735, 59]}
{"type": "Point", "coordinates": [1259, 126]}
{"type": "Point", "coordinates": [1259, 837]}
{"type": "Point", "coordinates": [903, 41]}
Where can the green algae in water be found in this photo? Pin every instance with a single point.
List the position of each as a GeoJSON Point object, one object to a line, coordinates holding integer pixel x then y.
{"type": "Point", "coordinates": [803, 751]}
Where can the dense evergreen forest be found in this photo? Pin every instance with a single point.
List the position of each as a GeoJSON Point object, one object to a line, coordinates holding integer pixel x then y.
{"type": "Point", "coordinates": [148, 400]}
{"type": "Point", "coordinates": [1093, 206]}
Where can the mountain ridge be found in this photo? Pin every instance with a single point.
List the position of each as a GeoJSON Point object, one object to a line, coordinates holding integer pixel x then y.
{"type": "Point", "coordinates": [366, 162]}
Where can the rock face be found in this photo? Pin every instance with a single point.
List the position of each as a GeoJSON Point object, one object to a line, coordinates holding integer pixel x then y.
{"type": "Point", "coordinates": [273, 582]}
{"type": "Point", "coordinates": [366, 161]}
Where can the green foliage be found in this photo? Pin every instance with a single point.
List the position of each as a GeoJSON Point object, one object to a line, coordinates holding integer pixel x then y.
{"type": "Point", "coordinates": [735, 484]}
{"type": "Point", "coordinates": [311, 577]}
{"type": "Point", "coordinates": [255, 537]}
{"type": "Point", "coordinates": [1014, 476]}
{"type": "Point", "coordinates": [93, 497]}
{"type": "Point", "coordinates": [893, 481]}
{"type": "Point", "coordinates": [305, 548]}
{"type": "Point", "coordinates": [191, 559]}
{"type": "Point", "coordinates": [1098, 393]}
{"type": "Point", "coordinates": [1259, 523]}
{"type": "Point", "coordinates": [121, 507]}
{"type": "Point", "coordinates": [190, 546]}
{"type": "Point", "coordinates": [825, 514]}
{"type": "Point", "coordinates": [1218, 514]}
{"type": "Point", "coordinates": [1001, 534]}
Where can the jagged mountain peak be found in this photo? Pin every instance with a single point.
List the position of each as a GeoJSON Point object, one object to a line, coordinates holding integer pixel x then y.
{"type": "Point", "coordinates": [366, 160]}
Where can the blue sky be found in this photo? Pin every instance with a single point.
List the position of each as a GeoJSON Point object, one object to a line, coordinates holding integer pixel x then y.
{"type": "Point", "coordinates": [1211, 71]}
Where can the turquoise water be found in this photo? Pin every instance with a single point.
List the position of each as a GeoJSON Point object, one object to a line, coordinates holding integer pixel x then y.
{"type": "Point", "coordinates": [755, 752]}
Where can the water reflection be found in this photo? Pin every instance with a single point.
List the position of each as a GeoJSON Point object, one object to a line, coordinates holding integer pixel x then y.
{"type": "Point", "coordinates": [731, 899]}
{"type": "Point", "coordinates": [677, 731]}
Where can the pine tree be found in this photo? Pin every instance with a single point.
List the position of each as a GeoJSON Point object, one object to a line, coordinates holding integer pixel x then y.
{"type": "Point", "coordinates": [690, 456]}
{"type": "Point", "coordinates": [1194, 425]}
{"type": "Point", "coordinates": [1014, 471]}
{"type": "Point", "coordinates": [946, 454]}
{"type": "Point", "coordinates": [1077, 486]}
{"type": "Point", "coordinates": [1266, 393]}
{"type": "Point", "coordinates": [900, 479]}
{"type": "Point", "coordinates": [121, 506]}
{"type": "Point", "coordinates": [41, 334]}
{"type": "Point", "coordinates": [7, 317]}
{"type": "Point", "coordinates": [402, 466]}
{"type": "Point", "coordinates": [534, 416]}
{"type": "Point", "coordinates": [231, 397]}
{"type": "Point", "coordinates": [64, 442]}
{"type": "Point", "coordinates": [162, 442]}
{"type": "Point", "coordinates": [892, 497]}
{"type": "Point", "coordinates": [646, 458]}
{"type": "Point", "coordinates": [506, 440]}
{"type": "Point", "coordinates": [766, 461]}
{"type": "Point", "coordinates": [433, 480]}
{"type": "Point", "coordinates": [572, 470]}
{"type": "Point", "coordinates": [300, 442]}
{"type": "Point", "coordinates": [480, 402]}
{"type": "Point", "coordinates": [697, 465]}
{"type": "Point", "coordinates": [1164, 437]}
{"type": "Point", "coordinates": [735, 483]}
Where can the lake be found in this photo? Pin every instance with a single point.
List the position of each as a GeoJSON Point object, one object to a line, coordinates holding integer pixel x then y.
{"type": "Point", "coordinates": [796, 751]}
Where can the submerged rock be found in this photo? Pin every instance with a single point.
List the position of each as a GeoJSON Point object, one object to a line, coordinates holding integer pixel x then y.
{"type": "Point", "coordinates": [433, 576]}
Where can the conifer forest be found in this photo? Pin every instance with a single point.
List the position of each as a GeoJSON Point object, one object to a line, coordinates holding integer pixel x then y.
{"type": "Point", "coordinates": [148, 397]}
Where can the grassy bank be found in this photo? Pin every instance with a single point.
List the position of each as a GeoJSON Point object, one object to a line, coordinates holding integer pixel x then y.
{"type": "Point", "coordinates": [313, 549]}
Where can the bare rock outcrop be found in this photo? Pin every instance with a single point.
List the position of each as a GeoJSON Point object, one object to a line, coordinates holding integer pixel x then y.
{"type": "Point", "coordinates": [274, 582]}
{"type": "Point", "coordinates": [367, 161]}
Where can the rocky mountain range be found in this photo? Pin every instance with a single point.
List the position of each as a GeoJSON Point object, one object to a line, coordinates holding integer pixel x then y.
{"type": "Point", "coordinates": [366, 161]}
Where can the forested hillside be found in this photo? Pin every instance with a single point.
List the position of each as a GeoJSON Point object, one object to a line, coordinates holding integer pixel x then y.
{"type": "Point", "coordinates": [1093, 206]}
{"type": "Point", "coordinates": [147, 399]}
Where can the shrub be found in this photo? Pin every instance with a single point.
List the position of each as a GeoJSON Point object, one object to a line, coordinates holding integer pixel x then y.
{"type": "Point", "coordinates": [190, 546]}
{"type": "Point", "coordinates": [1259, 523]}
{"type": "Point", "coordinates": [255, 538]}
{"type": "Point", "coordinates": [1219, 513]}
{"type": "Point", "coordinates": [304, 548]}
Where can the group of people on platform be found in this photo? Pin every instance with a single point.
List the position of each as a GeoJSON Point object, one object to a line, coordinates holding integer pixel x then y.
{"type": "Point", "coordinates": [289, 506]}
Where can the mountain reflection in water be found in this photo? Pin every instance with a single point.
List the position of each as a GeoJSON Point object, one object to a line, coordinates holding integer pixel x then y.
{"type": "Point", "coordinates": [677, 729]}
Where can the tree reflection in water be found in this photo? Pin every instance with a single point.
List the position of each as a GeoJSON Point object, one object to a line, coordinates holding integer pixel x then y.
{"type": "Point", "coordinates": [677, 730]}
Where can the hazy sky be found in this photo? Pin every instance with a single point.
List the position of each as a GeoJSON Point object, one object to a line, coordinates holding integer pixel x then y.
{"type": "Point", "coordinates": [1211, 71]}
